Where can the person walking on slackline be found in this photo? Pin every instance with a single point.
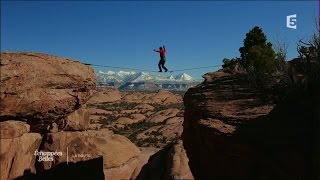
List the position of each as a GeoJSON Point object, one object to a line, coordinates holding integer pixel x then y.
{"type": "Point", "coordinates": [162, 52]}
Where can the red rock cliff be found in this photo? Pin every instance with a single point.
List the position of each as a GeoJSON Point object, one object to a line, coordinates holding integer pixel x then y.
{"type": "Point", "coordinates": [234, 131]}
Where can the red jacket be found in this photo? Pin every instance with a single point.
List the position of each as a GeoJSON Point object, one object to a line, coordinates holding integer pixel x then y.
{"type": "Point", "coordinates": [162, 53]}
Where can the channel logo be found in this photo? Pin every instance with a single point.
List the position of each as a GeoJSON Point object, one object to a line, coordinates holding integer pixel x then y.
{"type": "Point", "coordinates": [292, 21]}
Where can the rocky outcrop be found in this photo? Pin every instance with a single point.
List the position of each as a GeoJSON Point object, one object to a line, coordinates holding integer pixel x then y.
{"type": "Point", "coordinates": [179, 162]}
{"type": "Point", "coordinates": [13, 129]}
{"type": "Point", "coordinates": [163, 115]}
{"type": "Point", "coordinates": [168, 163]}
{"type": "Point", "coordinates": [42, 88]}
{"type": "Point", "coordinates": [171, 130]}
{"type": "Point", "coordinates": [116, 150]}
{"type": "Point", "coordinates": [17, 149]}
{"type": "Point", "coordinates": [234, 131]}
{"type": "Point", "coordinates": [78, 120]}
{"type": "Point", "coordinates": [47, 108]}
{"type": "Point", "coordinates": [132, 168]}
{"type": "Point", "coordinates": [47, 95]}
{"type": "Point", "coordinates": [109, 95]}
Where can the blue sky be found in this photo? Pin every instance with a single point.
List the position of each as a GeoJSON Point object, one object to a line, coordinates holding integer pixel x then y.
{"type": "Point", "coordinates": [125, 33]}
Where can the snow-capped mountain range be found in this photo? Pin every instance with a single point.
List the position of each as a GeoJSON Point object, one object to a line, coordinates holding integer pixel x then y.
{"type": "Point", "coordinates": [136, 77]}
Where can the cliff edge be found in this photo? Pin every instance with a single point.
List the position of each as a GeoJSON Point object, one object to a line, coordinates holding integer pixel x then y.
{"type": "Point", "coordinates": [235, 131]}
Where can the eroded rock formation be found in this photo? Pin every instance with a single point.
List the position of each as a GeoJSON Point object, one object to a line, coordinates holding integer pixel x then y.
{"type": "Point", "coordinates": [42, 88]}
{"type": "Point", "coordinates": [234, 131]}
{"type": "Point", "coordinates": [168, 163]}
{"type": "Point", "coordinates": [47, 109]}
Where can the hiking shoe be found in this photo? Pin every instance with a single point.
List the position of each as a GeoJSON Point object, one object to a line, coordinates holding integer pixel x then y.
{"type": "Point", "coordinates": [166, 70]}
{"type": "Point", "coordinates": [159, 71]}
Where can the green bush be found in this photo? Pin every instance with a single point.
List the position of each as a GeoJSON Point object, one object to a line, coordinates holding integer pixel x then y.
{"type": "Point", "coordinates": [257, 55]}
{"type": "Point", "coordinates": [230, 63]}
{"type": "Point", "coordinates": [309, 53]}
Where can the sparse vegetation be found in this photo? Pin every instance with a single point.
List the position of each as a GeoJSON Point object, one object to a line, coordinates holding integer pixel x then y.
{"type": "Point", "coordinates": [132, 130]}
{"type": "Point", "coordinates": [230, 63]}
{"type": "Point", "coordinates": [267, 67]}
{"type": "Point", "coordinates": [111, 106]}
{"type": "Point", "coordinates": [160, 107]}
{"type": "Point", "coordinates": [107, 120]}
{"type": "Point", "coordinates": [309, 53]}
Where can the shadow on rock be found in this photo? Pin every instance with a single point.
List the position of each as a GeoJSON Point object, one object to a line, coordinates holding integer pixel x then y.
{"type": "Point", "coordinates": [157, 167]}
{"type": "Point", "coordinates": [91, 169]}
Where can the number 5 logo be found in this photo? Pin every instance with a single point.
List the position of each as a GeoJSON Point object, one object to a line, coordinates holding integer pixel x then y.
{"type": "Point", "coordinates": [292, 21]}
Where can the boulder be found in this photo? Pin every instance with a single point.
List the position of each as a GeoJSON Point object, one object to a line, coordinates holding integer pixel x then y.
{"type": "Point", "coordinates": [132, 168]}
{"type": "Point", "coordinates": [78, 120]}
{"type": "Point", "coordinates": [116, 150]}
{"type": "Point", "coordinates": [179, 162]}
{"type": "Point", "coordinates": [17, 155]}
{"type": "Point", "coordinates": [165, 97]}
{"type": "Point", "coordinates": [138, 117]}
{"type": "Point", "coordinates": [125, 120]}
{"type": "Point", "coordinates": [13, 129]}
{"type": "Point", "coordinates": [170, 162]}
{"type": "Point", "coordinates": [42, 88]}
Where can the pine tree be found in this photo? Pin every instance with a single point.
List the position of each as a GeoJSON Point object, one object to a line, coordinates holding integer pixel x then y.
{"type": "Point", "coordinates": [257, 55]}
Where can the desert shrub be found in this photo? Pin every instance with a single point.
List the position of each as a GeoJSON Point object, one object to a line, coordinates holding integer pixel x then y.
{"type": "Point", "coordinates": [309, 53]}
{"type": "Point", "coordinates": [108, 119]}
{"type": "Point", "coordinates": [116, 106]}
{"type": "Point", "coordinates": [131, 130]}
{"type": "Point", "coordinates": [230, 63]}
{"type": "Point", "coordinates": [280, 48]}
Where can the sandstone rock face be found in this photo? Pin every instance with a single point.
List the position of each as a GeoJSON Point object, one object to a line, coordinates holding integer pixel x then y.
{"type": "Point", "coordinates": [134, 118]}
{"type": "Point", "coordinates": [132, 168]}
{"type": "Point", "coordinates": [145, 107]}
{"type": "Point", "coordinates": [138, 117]}
{"type": "Point", "coordinates": [17, 155]}
{"type": "Point", "coordinates": [168, 163]}
{"type": "Point", "coordinates": [115, 149]}
{"type": "Point", "coordinates": [12, 129]}
{"type": "Point", "coordinates": [17, 147]}
{"type": "Point", "coordinates": [151, 121]}
{"type": "Point", "coordinates": [165, 97]}
{"type": "Point", "coordinates": [78, 120]}
{"type": "Point", "coordinates": [42, 88]}
{"type": "Point", "coordinates": [105, 96]}
{"type": "Point", "coordinates": [179, 168]}
{"type": "Point", "coordinates": [49, 95]}
{"type": "Point", "coordinates": [234, 131]}
{"type": "Point", "coordinates": [169, 131]}
{"type": "Point", "coordinates": [163, 115]}
{"type": "Point", "coordinates": [125, 120]}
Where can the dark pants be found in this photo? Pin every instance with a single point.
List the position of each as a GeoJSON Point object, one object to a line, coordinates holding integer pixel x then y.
{"type": "Point", "coordinates": [161, 64]}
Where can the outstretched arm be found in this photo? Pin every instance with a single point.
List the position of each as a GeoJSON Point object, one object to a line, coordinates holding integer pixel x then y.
{"type": "Point", "coordinates": [156, 50]}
